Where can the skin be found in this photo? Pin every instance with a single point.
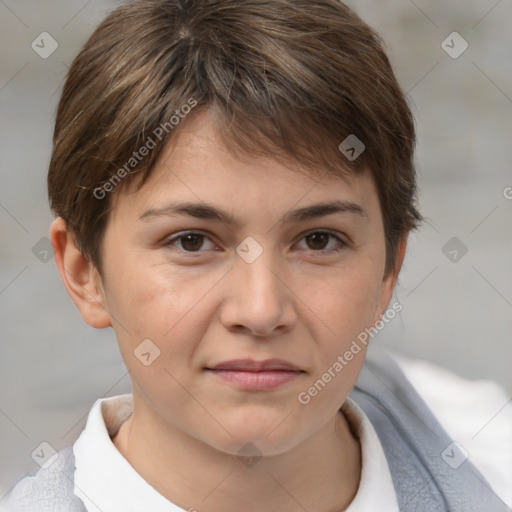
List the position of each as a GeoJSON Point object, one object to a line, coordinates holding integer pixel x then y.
{"type": "Point", "coordinates": [201, 304]}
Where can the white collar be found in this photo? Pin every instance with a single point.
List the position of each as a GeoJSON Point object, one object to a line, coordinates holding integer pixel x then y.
{"type": "Point", "coordinates": [376, 490]}
{"type": "Point", "coordinates": [106, 482]}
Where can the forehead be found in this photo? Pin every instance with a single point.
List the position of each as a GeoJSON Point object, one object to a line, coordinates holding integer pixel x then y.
{"type": "Point", "coordinates": [195, 166]}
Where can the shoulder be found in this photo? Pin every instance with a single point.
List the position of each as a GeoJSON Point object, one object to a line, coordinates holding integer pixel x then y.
{"type": "Point", "coordinates": [475, 413]}
{"type": "Point", "coordinates": [50, 489]}
{"type": "Point", "coordinates": [427, 421]}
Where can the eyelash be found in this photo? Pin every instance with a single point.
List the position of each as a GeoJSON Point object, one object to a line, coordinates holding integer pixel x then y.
{"type": "Point", "coordinates": [170, 241]}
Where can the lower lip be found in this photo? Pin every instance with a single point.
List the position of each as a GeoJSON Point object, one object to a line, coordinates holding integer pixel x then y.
{"type": "Point", "coordinates": [257, 381]}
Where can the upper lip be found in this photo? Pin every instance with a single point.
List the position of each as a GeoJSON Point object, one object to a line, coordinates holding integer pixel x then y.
{"type": "Point", "coordinates": [250, 365]}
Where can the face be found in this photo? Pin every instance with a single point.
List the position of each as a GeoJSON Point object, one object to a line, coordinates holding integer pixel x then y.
{"type": "Point", "coordinates": [247, 308]}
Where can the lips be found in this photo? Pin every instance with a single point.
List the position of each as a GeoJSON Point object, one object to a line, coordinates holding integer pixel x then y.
{"type": "Point", "coordinates": [250, 375]}
{"type": "Point", "coordinates": [249, 365]}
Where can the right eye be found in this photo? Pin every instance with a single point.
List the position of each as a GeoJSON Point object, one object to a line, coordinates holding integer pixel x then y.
{"type": "Point", "coordinates": [190, 241]}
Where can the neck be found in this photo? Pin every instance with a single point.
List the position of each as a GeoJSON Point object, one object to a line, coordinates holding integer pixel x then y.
{"type": "Point", "coordinates": [322, 473]}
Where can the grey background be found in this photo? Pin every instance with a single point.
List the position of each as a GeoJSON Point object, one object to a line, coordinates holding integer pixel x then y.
{"type": "Point", "coordinates": [457, 314]}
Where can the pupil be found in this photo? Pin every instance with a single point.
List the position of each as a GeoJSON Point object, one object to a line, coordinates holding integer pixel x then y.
{"type": "Point", "coordinates": [186, 240]}
{"type": "Point", "coordinates": [316, 236]}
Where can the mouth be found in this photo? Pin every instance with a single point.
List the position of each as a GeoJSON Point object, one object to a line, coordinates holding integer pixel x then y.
{"type": "Point", "coordinates": [251, 375]}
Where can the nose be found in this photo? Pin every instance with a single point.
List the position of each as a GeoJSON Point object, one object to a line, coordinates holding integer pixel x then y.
{"type": "Point", "coordinates": [259, 300]}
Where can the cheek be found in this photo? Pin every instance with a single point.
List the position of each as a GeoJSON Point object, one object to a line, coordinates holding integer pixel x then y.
{"type": "Point", "coordinates": [345, 306]}
{"type": "Point", "coordinates": [152, 299]}
{"type": "Point", "coordinates": [345, 303]}
{"type": "Point", "coordinates": [154, 302]}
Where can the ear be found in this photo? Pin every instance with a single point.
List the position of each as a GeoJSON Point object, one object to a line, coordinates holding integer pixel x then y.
{"type": "Point", "coordinates": [80, 277]}
{"type": "Point", "coordinates": [389, 282]}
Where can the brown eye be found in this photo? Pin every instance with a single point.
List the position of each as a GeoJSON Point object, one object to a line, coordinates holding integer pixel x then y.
{"type": "Point", "coordinates": [318, 241]}
{"type": "Point", "coordinates": [192, 242]}
{"type": "Point", "coordinates": [188, 242]}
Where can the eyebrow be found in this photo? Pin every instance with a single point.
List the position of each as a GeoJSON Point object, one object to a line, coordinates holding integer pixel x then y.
{"type": "Point", "coordinates": [210, 212]}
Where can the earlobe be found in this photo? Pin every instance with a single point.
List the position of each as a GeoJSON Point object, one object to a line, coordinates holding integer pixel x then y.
{"type": "Point", "coordinates": [79, 276]}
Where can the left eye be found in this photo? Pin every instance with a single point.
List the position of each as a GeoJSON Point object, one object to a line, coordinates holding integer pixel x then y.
{"type": "Point", "coordinates": [193, 241]}
{"type": "Point", "coordinates": [320, 238]}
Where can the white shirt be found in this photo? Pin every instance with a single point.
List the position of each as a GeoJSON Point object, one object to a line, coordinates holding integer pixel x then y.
{"type": "Point", "coordinates": [106, 482]}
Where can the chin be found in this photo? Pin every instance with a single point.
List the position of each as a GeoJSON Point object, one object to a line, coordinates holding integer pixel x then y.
{"type": "Point", "coordinates": [259, 438]}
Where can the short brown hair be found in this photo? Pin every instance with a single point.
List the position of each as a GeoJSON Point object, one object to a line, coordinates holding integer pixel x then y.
{"type": "Point", "coordinates": [290, 79]}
